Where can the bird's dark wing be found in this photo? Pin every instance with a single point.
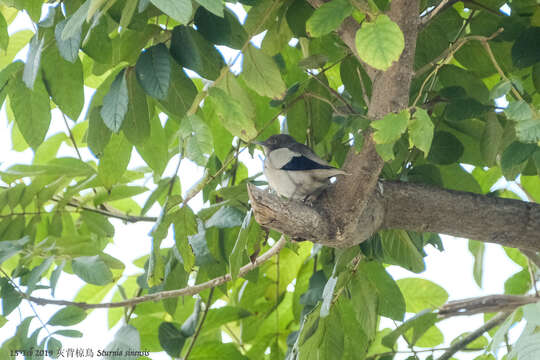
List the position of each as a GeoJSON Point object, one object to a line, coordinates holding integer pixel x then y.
{"type": "Point", "coordinates": [303, 163]}
{"type": "Point", "coordinates": [287, 159]}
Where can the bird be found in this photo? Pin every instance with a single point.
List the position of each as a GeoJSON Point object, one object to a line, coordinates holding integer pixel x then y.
{"type": "Point", "coordinates": [293, 170]}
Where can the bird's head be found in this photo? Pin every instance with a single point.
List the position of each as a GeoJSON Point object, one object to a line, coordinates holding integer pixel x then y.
{"type": "Point", "coordinates": [276, 142]}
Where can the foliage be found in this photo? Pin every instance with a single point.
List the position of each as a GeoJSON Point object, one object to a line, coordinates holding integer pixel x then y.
{"type": "Point", "coordinates": [133, 56]}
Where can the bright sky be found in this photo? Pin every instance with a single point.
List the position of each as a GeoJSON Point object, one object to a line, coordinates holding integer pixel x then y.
{"type": "Point", "coordinates": [452, 269]}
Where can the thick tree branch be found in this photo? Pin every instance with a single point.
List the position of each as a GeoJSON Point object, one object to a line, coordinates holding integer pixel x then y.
{"type": "Point", "coordinates": [398, 205]}
{"type": "Point", "coordinates": [423, 208]}
{"type": "Point", "coordinates": [462, 343]}
{"type": "Point", "coordinates": [190, 290]}
{"type": "Point", "coordinates": [346, 205]}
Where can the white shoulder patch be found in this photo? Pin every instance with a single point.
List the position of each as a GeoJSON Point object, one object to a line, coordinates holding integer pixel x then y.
{"type": "Point", "coordinates": [280, 157]}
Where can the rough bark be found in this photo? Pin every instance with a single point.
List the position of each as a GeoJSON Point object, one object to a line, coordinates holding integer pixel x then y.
{"type": "Point", "coordinates": [398, 205]}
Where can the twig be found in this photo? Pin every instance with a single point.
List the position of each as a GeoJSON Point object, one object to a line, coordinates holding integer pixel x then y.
{"type": "Point", "coordinates": [380, 355]}
{"type": "Point", "coordinates": [454, 48]}
{"type": "Point", "coordinates": [334, 92]}
{"type": "Point", "coordinates": [429, 16]}
{"type": "Point", "coordinates": [71, 137]}
{"type": "Point", "coordinates": [460, 344]}
{"type": "Point", "coordinates": [190, 290]}
{"type": "Point", "coordinates": [498, 68]}
{"type": "Point", "coordinates": [364, 91]}
{"type": "Point", "coordinates": [199, 327]}
{"type": "Point", "coordinates": [325, 100]}
{"type": "Point", "coordinates": [446, 56]}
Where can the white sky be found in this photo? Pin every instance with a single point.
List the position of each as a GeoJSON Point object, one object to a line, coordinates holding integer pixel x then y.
{"type": "Point", "coordinates": [452, 269]}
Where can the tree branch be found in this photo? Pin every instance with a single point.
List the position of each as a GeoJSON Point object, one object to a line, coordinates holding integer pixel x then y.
{"type": "Point", "coordinates": [443, 5]}
{"type": "Point", "coordinates": [190, 290]}
{"type": "Point", "coordinates": [408, 206]}
{"type": "Point", "coordinates": [462, 343]}
{"type": "Point", "coordinates": [485, 304]}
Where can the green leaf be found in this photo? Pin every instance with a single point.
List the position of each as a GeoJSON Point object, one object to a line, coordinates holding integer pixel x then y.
{"type": "Point", "coordinates": [36, 273]}
{"type": "Point", "coordinates": [10, 248]}
{"type": "Point", "coordinates": [248, 230]}
{"type": "Point", "coordinates": [462, 109]}
{"type": "Point", "coordinates": [154, 71]}
{"type": "Point", "coordinates": [421, 294]}
{"type": "Point", "coordinates": [33, 61]}
{"type": "Point", "coordinates": [531, 184]}
{"type": "Point", "coordinates": [171, 338]}
{"type": "Point", "coordinates": [354, 78]}
{"type": "Point", "coordinates": [525, 51]}
{"type": "Point", "coordinates": [421, 130]}
{"type": "Point", "coordinates": [69, 48]}
{"type": "Point", "coordinates": [67, 316]}
{"type": "Point", "coordinates": [4, 36]}
{"type": "Point", "coordinates": [97, 223]}
{"type": "Point", "coordinates": [518, 111]}
{"type": "Point", "coordinates": [115, 103]}
{"type": "Point", "coordinates": [297, 15]}
{"type": "Point", "coordinates": [262, 74]}
{"type": "Point", "coordinates": [136, 125]}
{"type": "Point", "coordinates": [10, 297]}
{"type": "Point", "coordinates": [125, 340]}
{"type": "Point", "coordinates": [185, 224]}
{"type": "Point", "coordinates": [390, 127]}
{"type": "Point", "coordinates": [528, 130]}
{"type": "Point", "coordinates": [56, 275]}
{"type": "Point", "coordinates": [419, 324]}
{"type": "Point", "coordinates": [198, 139]}
{"type": "Point", "coordinates": [518, 284]}
{"type": "Point", "coordinates": [232, 115]}
{"type": "Point", "coordinates": [226, 217]}
{"type": "Point", "coordinates": [214, 6]}
{"type": "Point", "coordinates": [328, 17]}
{"type": "Point", "coordinates": [224, 30]}
{"type": "Point", "coordinates": [391, 302]}
{"type": "Point", "coordinates": [92, 269]}
{"type": "Point", "coordinates": [74, 22]}
{"type": "Point", "coordinates": [380, 43]}
{"type": "Point", "coordinates": [445, 148]}
{"type": "Point", "coordinates": [31, 110]}
{"type": "Point", "coordinates": [221, 316]}
{"type": "Point", "coordinates": [154, 151]}
{"type": "Point", "coordinates": [453, 76]}
{"type": "Point", "coordinates": [455, 177]}
{"type": "Point", "coordinates": [98, 135]}
{"type": "Point", "coordinates": [399, 249]}
{"type": "Point", "coordinates": [191, 50]}
{"type": "Point", "coordinates": [501, 89]}
{"type": "Point", "coordinates": [17, 41]}
{"type": "Point", "coordinates": [114, 161]}
{"type": "Point", "coordinates": [64, 81]}
{"type": "Point", "coordinates": [365, 301]}
{"type": "Point", "coordinates": [189, 326]}
{"type": "Point", "coordinates": [515, 155]}
{"type": "Point", "coordinates": [491, 139]}
{"type": "Point", "coordinates": [477, 250]}
{"type": "Point", "coordinates": [69, 333]}
{"type": "Point", "coordinates": [54, 346]}
{"type": "Point", "coordinates": [179, 10]}
{"type": "Point", "coordinates": [181, 94]}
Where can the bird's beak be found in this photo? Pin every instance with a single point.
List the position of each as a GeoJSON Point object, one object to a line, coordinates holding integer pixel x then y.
{"type": "Point", "coordinates": [260, 143]}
